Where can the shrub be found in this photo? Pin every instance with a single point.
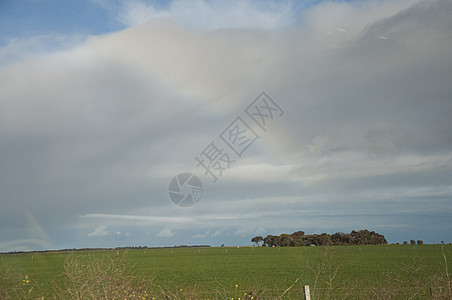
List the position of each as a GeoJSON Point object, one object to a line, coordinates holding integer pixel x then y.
{"type": "Point", "coordinates": [106, 277]}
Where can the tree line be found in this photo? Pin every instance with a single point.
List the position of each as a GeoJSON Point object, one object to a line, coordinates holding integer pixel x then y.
{"type": "Point", "coordinates": [299, 238]}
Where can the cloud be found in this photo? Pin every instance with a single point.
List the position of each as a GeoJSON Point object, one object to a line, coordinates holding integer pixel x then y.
{"type": "Point", "coordinates": [123, 233]}
{"type": "Point", "coordinates": [20, 48]}
{"type": "Point", "coordinates": [212, 14]}
{"type": "Point", "coordinates": [330, 18]}
{"type": "Point", "coordinates": [165, 232]}
{"type": "Point", "coordinates": [93, 133]}
{"type": "Point", "coordinates": [218, 233]}
{"type": "Point", "coordinates": [135, 218]}
{"type": "Point", "coordinates": [99, 231]}
{"type": "Point", "coordinates": [201, 235]}
{"type": "Point", "coordinates": [245, 232]}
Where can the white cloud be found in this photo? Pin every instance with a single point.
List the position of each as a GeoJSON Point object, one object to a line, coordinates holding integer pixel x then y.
{"type": "Point", "coordinates": [165, 232]}
{"type": "Point", "coordinates": [99, 231]}
{"type": "Point", "coordinates": [322, 145]}
{"type": "Point", "coordinates": [20, 49]}
{"type": "Point", "coordinates": [201, 235]}
{"type": "Point", "coordinates": [350, 17]}
{"type": "Point", "coordinates": [213, 14]}
{"type": "Point", "coordinates": [134, 218]}
{"type": "Point", "coordinates": [246, 231]}
{"type": "Point", "coordinates": [218, 232]}
{"type": "Point", "coordinates": [122, 233]}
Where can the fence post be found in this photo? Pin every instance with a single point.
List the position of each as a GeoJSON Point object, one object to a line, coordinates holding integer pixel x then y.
{"type": "Point", "coordinates": [306, 294]}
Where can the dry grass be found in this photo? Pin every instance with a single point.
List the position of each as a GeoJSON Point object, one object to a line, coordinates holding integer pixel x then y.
{"type": "Point", "coordinates": [106, 277]}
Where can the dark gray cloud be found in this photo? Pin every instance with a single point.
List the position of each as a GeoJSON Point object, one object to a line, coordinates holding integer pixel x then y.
{"type": "Point", "coordinates": [92, 135]}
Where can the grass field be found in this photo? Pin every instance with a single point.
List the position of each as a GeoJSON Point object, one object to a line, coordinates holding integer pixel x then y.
{"type": "Point", "coordinates": [354, 272]}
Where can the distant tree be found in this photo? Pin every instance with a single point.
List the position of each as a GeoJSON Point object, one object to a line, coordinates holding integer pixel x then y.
{"type": "Point", "coordinates": [325, 239]}
{"type": "Point", "coordinates": [405, 242]}
{"type": "Point", "coordinates": [297, 235]}
{"type": "Point", "coordinates": [257, 240]}
{"type": "Point", "coordinates": [277, 240]}
{"type": "Point", "coordinates": [269, 240]}
{"type": "Point", "coordinates": [286, 240]}
{"type": "Point", "coordinates": [340, 238]}
{"type": "Point", "coordinates": [412, 242]}
{"type": "Point", "coordinates": [420, 242]}
{"type": "Point", "coordinates": [299, 238]}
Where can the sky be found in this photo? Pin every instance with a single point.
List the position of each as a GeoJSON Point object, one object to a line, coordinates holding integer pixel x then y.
{"type": "Point", "coordinates": [103, 103]}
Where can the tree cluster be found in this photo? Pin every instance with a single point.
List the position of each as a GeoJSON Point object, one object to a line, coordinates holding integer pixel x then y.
{"type": "Point", "coordinates": [299, 238]}
{"type": "Point", "coordinates": [413, 242]}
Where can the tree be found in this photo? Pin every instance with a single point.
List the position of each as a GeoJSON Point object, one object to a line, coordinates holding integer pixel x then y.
{"type": "Point", "coordinates": [257, 240]}
{"type": "Point", "coordinates": [297, 235]}
{"type": "Point", "coordinates": [285, 240]}
{"type": "Point", "coordinates": [299, 238]}
{"type": "Point", "coordinates": [324, 239]}
{"type": "Point", "coordinates": [412, 242]}
{"type": "Point", "coordinates": [268, 240]}
{"type": "Point", "coordinates": [420, 242]}
{"type": "Point", "coordinates": [405, 242]}
{"type": "Point", "coordinates": [271, 240]}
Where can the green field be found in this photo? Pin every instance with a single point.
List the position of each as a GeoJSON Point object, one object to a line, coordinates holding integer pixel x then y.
{"type": "Point", "coordinates": [357, 272]}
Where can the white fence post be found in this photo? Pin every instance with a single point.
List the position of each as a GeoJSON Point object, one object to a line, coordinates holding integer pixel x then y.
{"type": "Point", "coordinates": [306, 294]}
